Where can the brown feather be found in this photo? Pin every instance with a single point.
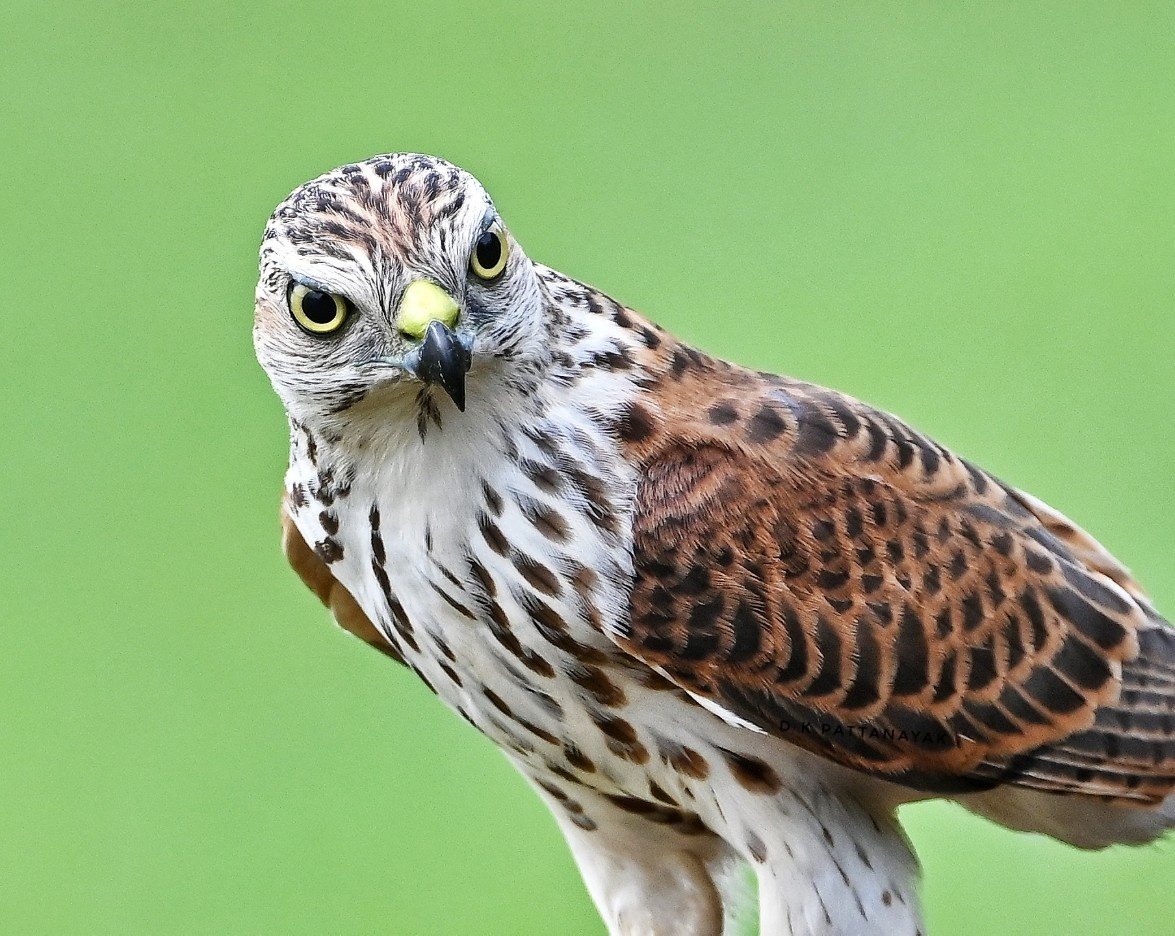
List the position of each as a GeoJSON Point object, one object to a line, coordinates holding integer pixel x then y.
{"type": "Point", "coordinates": [825, 572]}
{"type": "Point", "coordinates": [318, 578]}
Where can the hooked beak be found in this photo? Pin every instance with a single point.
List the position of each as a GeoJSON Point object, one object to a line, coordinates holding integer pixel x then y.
{"type": "Point", "coordinates": [427, 311]}
{"type": "Point", "coordinates": [442, 359]}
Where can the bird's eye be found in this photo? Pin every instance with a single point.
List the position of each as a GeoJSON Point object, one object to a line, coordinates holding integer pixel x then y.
{"type": "Point", "coordinates": [489, 256]}
{"type": "Point", "coordinates": [317, 312]}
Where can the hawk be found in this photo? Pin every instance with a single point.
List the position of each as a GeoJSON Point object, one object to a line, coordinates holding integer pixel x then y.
{"type": "Point", "coordinates": [715, 617]}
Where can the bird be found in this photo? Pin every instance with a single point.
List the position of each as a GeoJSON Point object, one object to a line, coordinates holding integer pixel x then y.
{"type": "Point", "coordinates": [717, 618]}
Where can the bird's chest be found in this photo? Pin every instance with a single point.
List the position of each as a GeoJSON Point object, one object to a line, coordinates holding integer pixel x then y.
{"type": "Point", "coordinates": [495, 586]}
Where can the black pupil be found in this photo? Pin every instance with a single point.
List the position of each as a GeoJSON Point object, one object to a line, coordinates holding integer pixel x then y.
{"type": "Point", "coordinates": [319, 307]}
{"type": "Point", "coordinates": [489, 250]}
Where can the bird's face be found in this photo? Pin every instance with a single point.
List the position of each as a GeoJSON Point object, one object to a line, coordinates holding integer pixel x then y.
{"type": "Point", "coordinates": [384, 278]}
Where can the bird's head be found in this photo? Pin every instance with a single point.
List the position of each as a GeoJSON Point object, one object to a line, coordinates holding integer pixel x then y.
{"type": "Point", "coordinates": [386, 277]}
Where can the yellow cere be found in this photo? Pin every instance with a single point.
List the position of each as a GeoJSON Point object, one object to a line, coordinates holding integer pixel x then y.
{"type": "Point", "coordinates": [425, 302]}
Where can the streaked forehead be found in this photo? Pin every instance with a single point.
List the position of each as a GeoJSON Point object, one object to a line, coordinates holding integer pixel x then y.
{"type": "Point", "coordinates": [399, 203]}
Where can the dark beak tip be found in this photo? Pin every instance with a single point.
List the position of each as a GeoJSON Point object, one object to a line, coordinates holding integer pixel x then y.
{"type": "Point", "coordinates": [444, 360]}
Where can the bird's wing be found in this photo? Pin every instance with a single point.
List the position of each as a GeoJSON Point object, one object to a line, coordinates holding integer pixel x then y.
{"type": "Point", "coordinates": [820, 570]}
{"type": "Point", "coordinates": [318, 578]}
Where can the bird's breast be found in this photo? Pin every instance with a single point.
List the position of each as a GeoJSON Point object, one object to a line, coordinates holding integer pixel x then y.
{"type": "Point", "coordinates": [496, 586]}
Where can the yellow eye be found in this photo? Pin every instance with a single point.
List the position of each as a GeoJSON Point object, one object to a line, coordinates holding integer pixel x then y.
{"type": "Point", "coordinates": [317, 312]}
{"type": "Point", "coordinates": [489, 256]}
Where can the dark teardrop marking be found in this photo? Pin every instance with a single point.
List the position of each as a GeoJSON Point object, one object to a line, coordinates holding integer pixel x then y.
{"type": "Point", "coordinates": [1031, 605]}
{"type": "Point", "coordinates": [1014, 640]}
{"type": "Point", "coordinates": [1097, 626]}
{"type": "Point", "coordinates": [797, 662]}
{"type": "Point", "coordinates": [972, 607]}
{"type": "Point", "coordinates": [537, 575]}
{"type": "Point", "coordinates": [991, 716]}
{"type": "Point", "coordinates": [983, 667]}
{"type": "Point", "coordinates": [832, 579]}
{"type": "Point", "coordinates": [947, 678]}
{"type": "Point", "coordinates": [844, 414]}
{"type": "Point", "coordinates": [722, 414]}
{"type": "Point", "coordinates": [636, 424]}
{"type": "Point", "coordinates": [747, 630]}
{"type": "Point", "coordinates": [878, 441]}
{"type": "Point", "coordinates": [1082, 665]}
{"type": "Point", "coordinates": [865, 689]}
{"type": "Point", "coordinates": [752, 773]}
{"type": "Point", "coordinates": [695, 582]}
{"type": "Point", "coordinates": [1053, 693]}
{"type": "Point", "coordinates": [828, 643]}
{"type": "Point", "coordinates": [816, 433]}
{"type": "Point", "coordinates": [1094, 590]}
{"type": "Point", "coordinates": [1014, 702]}
{"type": "Point", "coordinates": [912, 654]}
{"type": "Point", "coordinates": [766, 425]}
{"type": "Point", "coordinates": [492, 535]}
{"type": "Point", "coordinates": [930, 459]}
{"type": "Point", "coordinates": [699, 645]}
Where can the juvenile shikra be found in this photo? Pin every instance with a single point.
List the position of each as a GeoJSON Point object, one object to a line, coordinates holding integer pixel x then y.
{"type": "Point", "coordinates": [713, 616]}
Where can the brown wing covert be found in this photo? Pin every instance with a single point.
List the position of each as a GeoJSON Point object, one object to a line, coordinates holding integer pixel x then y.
{"type": "Point", "coordinates": [825, 572]}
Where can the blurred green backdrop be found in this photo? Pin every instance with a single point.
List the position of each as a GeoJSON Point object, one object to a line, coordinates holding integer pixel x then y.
{"type": "Point", "coordinates": [964, 215]}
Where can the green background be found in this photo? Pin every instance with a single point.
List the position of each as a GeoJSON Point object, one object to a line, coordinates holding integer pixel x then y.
{"type": "Point", "coordinates": [962, 215]}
